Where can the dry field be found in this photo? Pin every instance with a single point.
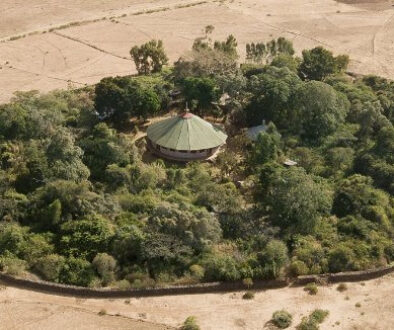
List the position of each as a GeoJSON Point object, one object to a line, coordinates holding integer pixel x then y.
{"type": "Point", "coordinates": [22, 309]}
{"type": "Point", "coordinates": [99, 44]}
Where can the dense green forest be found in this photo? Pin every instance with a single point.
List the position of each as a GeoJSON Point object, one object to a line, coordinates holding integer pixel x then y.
{"type": "Point", "coordinates": [80, 203]}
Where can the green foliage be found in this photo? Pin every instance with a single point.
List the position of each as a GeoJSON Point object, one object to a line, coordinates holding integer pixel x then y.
{"type": "Point", "coordinates": [312, 321]}
{"type": "Point", "coordinates": [311, 288]}
{"type": "Point", "coordinates": [320, 110]}
{"type": "Point", "coordinates": [267, 146]}
{"type": "Point", "coordinates": [82, 203]}
{"type": "Point", "coordinates": [11, 265]}
{"type": "Point", "coordinates": [86, 237]}
{"type": "Point", "coordinates": [120, 98]}
{"type": "Point", "coordinates": [200, 92]}
{"type": "Point", "coordinates": [76, 271]}
{"type": "Point", "coordinates": [295, 200]}
{"type": "Point", "coordinates": [149, 57]}
{"type": "Point", "coordinates": [274, 258]}
{"type": "Point", "coordinates": [318, 63]}
{"type": "Point", "coordinates": [282, 319]}
{"type": "Point", "coordinates": [273, 93]}
{"type": "Point", "coordinates": [228, 47]}
{"type": "Point", "coordinates": [248, 295]}
{"type": "Point", "coordinates": [264, 52]}
{"type": "Point", "coordinates": [105, 266]}
{"type": "Point", "coordinates": [190, 324]}
{"type": "Point", "coordinates": [50, 266]}
{"type": "Point", "coordinates": [298, 267]}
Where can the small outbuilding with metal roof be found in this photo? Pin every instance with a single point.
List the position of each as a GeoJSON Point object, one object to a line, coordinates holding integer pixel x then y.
{"type": "Point", "coordinates": [185, 137]}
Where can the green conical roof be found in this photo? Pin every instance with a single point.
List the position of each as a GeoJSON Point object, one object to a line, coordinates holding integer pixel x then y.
{"type": "Point", "coordinates": [186, 132]}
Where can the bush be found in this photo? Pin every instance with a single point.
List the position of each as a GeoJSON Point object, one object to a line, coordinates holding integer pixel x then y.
{"type": "Point", "coordinates": [12, 265]}
{"type": "Point", "coordinates": [319, 315]}
{"type": "Point", "coordinates": [190, 324]}
{"type": "Point", "coordinates": [248, 295]}
{"type": "Point", "coordinates": [342, 287]}
{"type": "Point", "coordinates": [313, 320]}
{"type": "Point", "coordinates": [102, 312]}
{"type": "Point", "coordinates": [311, 288]}
{"type": "Point", "coordinates": [298, 267]}
{"type": "Point", "coordinates": [248, 282]}
{"type": "Point", "coordinates": [50, 266]}
{"type": "Point", "coordinates": [282, 319]}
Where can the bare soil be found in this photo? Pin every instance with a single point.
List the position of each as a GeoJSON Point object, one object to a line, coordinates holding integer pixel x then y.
{"type": "Point", "coordinates": [23, 309]}
{"type": "Point", "coordinates": [84, 53]}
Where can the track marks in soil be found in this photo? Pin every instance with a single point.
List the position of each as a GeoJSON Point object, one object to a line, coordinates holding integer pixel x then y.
{"type": "Point", "coordinates": [90, 45]}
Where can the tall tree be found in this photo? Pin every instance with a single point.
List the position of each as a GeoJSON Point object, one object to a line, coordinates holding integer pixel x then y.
{"type": "Point", "coordinates": [318, 110]}
{"type": "Point", "coordinates": [149, 57]}
{"type": "Point", "coordinates": [319, 62]}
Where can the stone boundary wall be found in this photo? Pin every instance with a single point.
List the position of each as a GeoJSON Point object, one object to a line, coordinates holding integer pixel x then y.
{"type": "Point", "coordinates": [362, 275]}
{"type": "Point", "coordinates": [69, 290]}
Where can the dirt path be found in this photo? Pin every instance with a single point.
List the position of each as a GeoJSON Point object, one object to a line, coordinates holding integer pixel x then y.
{"type": "Point", "coordinates": [22, 309]}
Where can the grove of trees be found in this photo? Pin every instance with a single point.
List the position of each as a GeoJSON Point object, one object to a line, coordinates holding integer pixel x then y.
{"type": "Point", "coordinates": [80, 204]}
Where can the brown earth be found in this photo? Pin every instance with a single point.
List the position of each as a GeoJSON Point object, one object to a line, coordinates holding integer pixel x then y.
{"type": "Point", "coordinates": [96, 47]}
{"type": "Point", "coordinates": [23, 309]}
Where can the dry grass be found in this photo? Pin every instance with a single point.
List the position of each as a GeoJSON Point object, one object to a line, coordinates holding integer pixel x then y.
{"type": "Point", "coordinates": [93, 39]}
{"type": "Point", "coordinates": [19, 308]}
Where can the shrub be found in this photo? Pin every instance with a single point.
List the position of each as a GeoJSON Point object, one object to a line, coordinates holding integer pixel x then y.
{"type": "Point", "coordinates": [197, 271]}
{"type": "Point", "coordinates": [313, 320]}
{"type": "Point", "coordinates": [282, 319]}
{"type": "Point", "coordinates": [358, 305]}
{"type": "Point", "coordinates": [102, 312]}
{"type": "Point", "coordinates": [12, 265]}
{"type": "Point", "coordinates": [248, 295]}
{"type": "Point", "coordinates": [319, 315]}
{"type": "Point", "coordinates": [311, 288]}
{"type": "Point", "coordinates": [248, 282]}
{"type": "Point", "coordinates": [190, 324]}
{"type": "Point", "coordinates": [123, 284]}
{"type": "Point", "coordinates": [298, 267]}
{"type": "Point", "coordinates": [342, 287]}
{"type": "Point", "coordinates": [50, 266]}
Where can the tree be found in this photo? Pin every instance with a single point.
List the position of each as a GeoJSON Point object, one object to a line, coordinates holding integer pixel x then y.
{"type": "Point", "coordinates": [86, 237]}
{"type": "Point", "coordinates": [319, 62]}
{"type": "Point", "coordinates": [267, 146]}
{"type": "Point", "coordinates": [65, 158]}
{"type": "Point", "coordinates": [50, 267]}
{"type": "Point", "coordinates": [76, 271]}
{"type": "Point", "coordinates": [103, 148]}
{"type": "Point", "coordinates": [318, 110]}
{"type": "Point", "coordinates": [228, 47]}
{"type": "Point", "coordinates": [207, 60]}
{"type": "Point", "coordinates": [105, 266]}
{"type": "Point", "coordinates": [273, 258]}
{"type": "Point", "coordinates": [285, 60]}
{"type": "Point", "coordinates": [120, 98]}
{"type": "Point", "coordinates": [149, 57]}
{"type": "Point", "coordinates": [273, 92]}
{"type": "Point", "coordinates": [265, 52]}
{"type": "Point", "coordinates": [295, 200]}
{"type": "Point", "coordinates": [195, 227]}
{"type": "Point", "coordinates": [200, 92]}
{"type": "Point", "coordinates": [75, 200]}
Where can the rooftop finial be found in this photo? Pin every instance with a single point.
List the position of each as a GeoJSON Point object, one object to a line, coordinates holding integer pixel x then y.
{"type": "Point", "coordinates": [187, 107]}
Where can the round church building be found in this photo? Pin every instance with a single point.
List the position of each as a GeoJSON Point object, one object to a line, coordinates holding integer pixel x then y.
{"type": "Point", "coordinates": [185, 137]}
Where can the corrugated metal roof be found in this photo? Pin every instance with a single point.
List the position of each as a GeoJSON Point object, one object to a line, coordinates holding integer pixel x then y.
{"type": "Point", "coordinates": [186, 132]}
{"type": "Point", "coordinates": [253, 132]}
